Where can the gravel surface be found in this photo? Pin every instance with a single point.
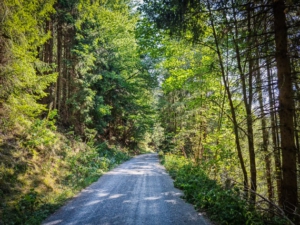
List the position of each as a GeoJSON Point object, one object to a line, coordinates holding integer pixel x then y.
{"type": "Point", "coordinates": [137, 192]}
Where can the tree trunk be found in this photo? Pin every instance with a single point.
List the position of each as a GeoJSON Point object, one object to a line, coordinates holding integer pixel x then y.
{"type": "Point", "coordinates": [65, 83]}
{"type": "Point", "coordinates": [247, 98]}
{"type": "Point", "coordinates": [289, 198]}
{"type": "Point", "coordinates": [265, 137]}
{"type": "Point", "coordinates": [48, 58]}
{"type": "Point", "coordinates": [59, 67]}
{"type": "Point", "coordinates": [274, 129]}
{"type": "Point", "coordinates": [232, 109]}
{"type": "Point", "coordinates": [296, 117]}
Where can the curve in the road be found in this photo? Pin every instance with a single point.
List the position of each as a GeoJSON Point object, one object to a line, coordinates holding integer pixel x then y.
{"type": "Point", "coordinates": [137, 192]}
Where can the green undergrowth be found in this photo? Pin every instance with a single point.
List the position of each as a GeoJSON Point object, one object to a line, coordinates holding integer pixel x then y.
{"type": "Point", "coordinates": [41, 168]}
{"type": "Point", "coordinates": [224, 206]}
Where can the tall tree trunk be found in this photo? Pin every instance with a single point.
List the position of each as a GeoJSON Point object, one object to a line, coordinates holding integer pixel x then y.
{"type": "Point", "coordinates": [247, 96]}
{"type": "Point", "coordinates": [59, 67]}
{"type": "Point", "coordinates": [265, 137]}
{"type": "Point", "coordinates": [48, 58]}
{"type": "Point", "coordinates": [289, 198]}
{"type": "Point", "coordinates": [273, 118]}
{"type": "Point", "coordinates": [296, 117]}
{"type": "Point", "coordinates": [232, 109]}
{"type": "Point", "coordinates": [202, 130]}
{"type": "Point", "coordinates": [65, 84]}
{"type": "Point", "coordinates": [274, 129]}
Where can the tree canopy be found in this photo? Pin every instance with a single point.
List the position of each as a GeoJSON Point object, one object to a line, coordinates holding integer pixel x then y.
{"type": "Point", "coordinates": [213, 82]}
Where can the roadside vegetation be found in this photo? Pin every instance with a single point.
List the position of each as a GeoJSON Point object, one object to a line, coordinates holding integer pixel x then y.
{"type": "Point", "coordinates": [229, 95]}
{"type": "Point", "coordinates": [43, 168]}
{"type": "Point", "coordinates": [75, 100]}
{"type": "Point", "coordinates": [223, 204]}
{"type": "Point", "coordinates": [84, 84]}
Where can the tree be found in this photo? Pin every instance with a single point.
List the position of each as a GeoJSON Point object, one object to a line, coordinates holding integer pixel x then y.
{"type": "Point", "coordinates": [23, 76]}
{"type": "Point", "coordinates": [246, 52]}
{"type": "Point", "coordinates": [289, 197]}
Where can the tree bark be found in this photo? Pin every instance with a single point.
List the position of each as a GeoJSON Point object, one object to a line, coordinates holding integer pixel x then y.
{"type": "Point", "coordinates": [265, 143]}
{"type": "Point", "coordinates": [59, 67]}
{"type": "Point", "coordinates": [232, 109]}
{"type": "Point", "coordinates": [275, 139]}
{"type": "Point", "coordinates": [47, 57]}
{"type": "Point", "coordinates": [289, 198]}
{"type": "Point", "coordinates": [247, 88]}
{"type": "Point", "coordinates": [65, 80]}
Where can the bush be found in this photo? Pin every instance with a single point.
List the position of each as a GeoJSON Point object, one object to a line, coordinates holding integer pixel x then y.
{"type": "Point", "coordinates": [160, 154]}
{"type": "Point", "coordinates": [223, 206]}
{"type": "Point", "coordinates": [32, 186]}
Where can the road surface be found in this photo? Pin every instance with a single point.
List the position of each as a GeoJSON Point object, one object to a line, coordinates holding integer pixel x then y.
{"type": "Point", "coordinates": [138, 192]}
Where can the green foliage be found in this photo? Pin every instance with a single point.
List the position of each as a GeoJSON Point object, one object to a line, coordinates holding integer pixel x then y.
{"type": "Point", "coordinates": [87, 166]}
{"type": "Point", "coordinates": [29, 210]}
{"type": "Point", "coordinates": [112, 82]}
{"type": "Point", "coordinates": [39, 134]}
{"type": "Point", "coordinates": [22, 84]}
{"type": "Point", "coordinates": [102, 90]}
{"type": "Point", "coordinates": [216, 94]}
{"type": "Point", "coordinates": [191, 107]}
{"type": "Point", "coordinates": [160, 154]}
{"type": "Point", "coordinates": [224, 206]}
{"type": "Point", "coordinates": [65, 167]}
{"type": "Point", "coordinates": [172, 17]}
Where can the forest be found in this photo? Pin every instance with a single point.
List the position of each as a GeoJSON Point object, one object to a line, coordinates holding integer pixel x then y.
{"type": "Point", "coordinates": [212, 86]}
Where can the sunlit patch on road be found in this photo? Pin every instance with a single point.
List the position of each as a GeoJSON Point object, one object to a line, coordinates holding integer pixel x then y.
{"type": "Point", "coordinates": [137, 192]}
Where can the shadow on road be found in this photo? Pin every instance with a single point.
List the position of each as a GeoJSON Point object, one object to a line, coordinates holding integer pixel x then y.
{"type": "Point", "coordinates": [137, 192]}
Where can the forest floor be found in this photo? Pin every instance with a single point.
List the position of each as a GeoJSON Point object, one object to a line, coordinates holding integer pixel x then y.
{"type": "Point", "coordinates": [139, 191]}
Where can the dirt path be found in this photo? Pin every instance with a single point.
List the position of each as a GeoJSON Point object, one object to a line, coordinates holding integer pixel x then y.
{"type": "Point", "coordinates": [137, 192]}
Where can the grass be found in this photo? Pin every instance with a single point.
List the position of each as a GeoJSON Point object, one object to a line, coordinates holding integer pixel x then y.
{"type": "Point", "coordinates": [41, 168]}
{"type": "Point", "coordinates": [224, 206]}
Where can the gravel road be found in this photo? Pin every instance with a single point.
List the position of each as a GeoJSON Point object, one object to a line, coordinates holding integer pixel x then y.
{"type": "Point", "coordinates": [137, 192]}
